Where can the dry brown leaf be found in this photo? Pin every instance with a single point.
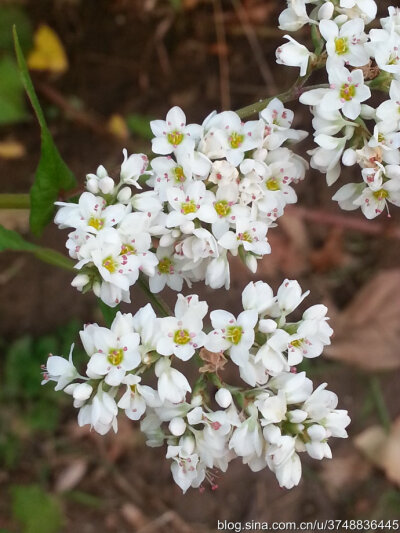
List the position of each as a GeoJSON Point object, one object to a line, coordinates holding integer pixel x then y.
{"type": "Point", "coordinates": [382, 449]}
{"type": "Point", "coordinates": [15, 219]}
{"type": "Point", "coordinates": [214, 361]}
{"type": "Point", "coordinates": [367, 332]}
{"type": "Point", "coordinates": [72, 474]}
{"type": "Point", "coordinates": [12, 150]}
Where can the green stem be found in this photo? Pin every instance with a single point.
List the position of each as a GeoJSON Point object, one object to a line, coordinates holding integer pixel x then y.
{"type": "Point", "coordinates": [156, 301]}
{"type": "Point", "coordinates": [14, 201]}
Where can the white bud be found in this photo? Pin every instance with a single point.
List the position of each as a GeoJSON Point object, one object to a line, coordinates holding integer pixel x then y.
{"type": "Point", "coordinates": [177, 426]}
{"type": "Point", "coordinates": [196, 400]}
{"type": "Point", "coordinates": [101, 172]}
{"type": "Point", "coordinates": [188, 444]}
{"type": "Point", "coordinates": [367, 112]}
{"type": "Point", "coordinates": [166, 240]}
{"type": "Point", "coordinates": [124, 195]}
{"type": "Point", "coordinates": [267, 326]}
{"type": "Point", "coordinates": [349, 157]}
{"type": "Point", "coordinates": [326, 11]}
{"type": "Point", "coordinates": [223, 397]}
{"type": "Point", "coordinates": [80, 281]}
{"type": "Point", "coordinates": [82, 391]}
{"type": "Point", "coordinates": [92, 184]}
{"type": "Point", "coordinates": [251, 263]}
{"type": "Point", "coordinates": [96, 288]}
{"type": "Point", "coordinates": [106, 185]}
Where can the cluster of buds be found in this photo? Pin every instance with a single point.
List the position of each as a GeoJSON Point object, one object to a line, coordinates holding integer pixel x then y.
{"type": "Point", "coordinates": [213, 189]}
{"type": "Point", "coordinates": [270, 416]}
{"type": "Point", "coordinates": [347, 130]}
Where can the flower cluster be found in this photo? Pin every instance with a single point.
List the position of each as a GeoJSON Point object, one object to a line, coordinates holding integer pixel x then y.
{"type": "Point", "coordinates": [214, 189]}
{"type": "Point", "coordinates": [267, 421]}
{"type": "Point", "coordinates": [348, 131]}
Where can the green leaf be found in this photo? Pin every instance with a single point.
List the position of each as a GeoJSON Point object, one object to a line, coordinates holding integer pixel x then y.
{"type": "Point", "coordinates": [35, 509]}
{"type": "Point", "coordinates": [11, 240]}
{"type": "Point", "coordinates": [12, 102]}
{"type": "Point", "coordinates": [10, 16]}
{"type": "Point", "coordinates": [52, 174]}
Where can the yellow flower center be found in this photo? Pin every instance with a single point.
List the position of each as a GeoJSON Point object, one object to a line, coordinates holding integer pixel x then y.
{"type": "Point", "coordinates": [245, 236]}
{"type": "Point", "coordinates": [222, 208]}
{"type": "Point", "coordinates": [381, 194]}
{"type": "Point", "coordinates": [110, 264]}
{"type": "Point", "coordinates": [188, 207]}
{"type": "Point", "coordinates": [127, 249]}
{"type": "Point", "coordinates": [96, 223]}
{"type": "Point", "coordinates": [235, 139]}
{"type": "Point", "coordinates": [341, 45]}
{"type": "Point", "coordinates": [175, 137]}
{"type": "Point", "coordinates": [179, 175]}
{"type": "Point", "coordinates": [272, 184]}
{"type": "Point", "coordinates": [381, 137]}
{"type": "Point", "coordinates": [115, 356]}
{"type": "Point", "coordinates": [234, 334]}
{"type": "Point", "coordinates": [297, 343]}
{"type": "Point", "coordinates": [181, 336]}
{"type": "Point", "coordinates": [165, 266]}
{"type": "Point", "coordinates": [347, 92]}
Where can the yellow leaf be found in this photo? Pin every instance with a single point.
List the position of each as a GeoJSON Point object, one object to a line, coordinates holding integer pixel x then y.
{"type": "Point", "coordinates": [11, 150]}
{"type": "Point", "coordinates": [117, 126]}
{"type": "Point", "coordinates": [48, 52]}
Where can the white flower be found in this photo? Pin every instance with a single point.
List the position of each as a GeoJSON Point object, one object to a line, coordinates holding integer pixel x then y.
{"type": "Point", "coordinates": [367, 8]}
{"type": "Point", "coordinates": [91, 214]}
{"type": "Point", "coordinates": [185, 468]}
{"type": "Point", "coordinates": [172, 384]}
{"type": "Point", "coordinates": [132, 168]}
{"type": "Point", "coordinates": [294, 17]}
{"type": "Point", "coordinates": [116, 349]}
{"type": "Point", "coordinates": [100, 413]}
{"type": "Point", "coordinates": [293, 54]}
{"type": "Point", "coordinates": [289, 296]}
{"type": "Point", "coordinates": [259, 296]}
{"type": "Point", "coordinates": [217, 272]}
{"type": "Point", "coordinates": [100, 182]}
{"type": "Point", "coordinates": [373, 203]}
{"type": "Point", "coordinates": [60, 370]}
{"type": "Point", "coordinates": [193, 203]}
{"type": "Point", "coordinates": [284, 462]}
{"type": "Point", "coordinates": [181, 335]}
{"type": "Point", "coordinates": [271, 354]}
{"type": "Point", "coordinates": [136, 397]}
{"type": "Point", "coordinates": [247, 439]}
{"type": "Point", "coordinates": [389, 111]}
{"type": "Point", "coordinates": [250, 234]}
{"type": "Point", "coordinates": [297, 387]}
{"type": "Point", "coordinates": [347, 194]}
{"type": "Point", "coordinates": [166, 272]}
{"type": "Point", "coordinates": [384, 47]}
{"type": "Point", "coordinates": [318, 448]}
{"type": "Point", "coordinates": [223, 173]}
{"type": "Point", "coordinates": [347, 43]}
{"type": "Point", "coordinates": [173, 133]}
{"type": "Point", "coordinates": [235, 335]}
{"type": "Point", "coordinates": [272, 408]}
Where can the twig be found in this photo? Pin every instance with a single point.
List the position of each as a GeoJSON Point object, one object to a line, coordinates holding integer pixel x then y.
{"type": "Point", "coordinates": [14, 201]}
{"type": "Point", "coordinates": [251, 35]}
{"type": "Point", "coordinates": [346, 221]}
{"type": "Point", "coordinates": [224, 84]}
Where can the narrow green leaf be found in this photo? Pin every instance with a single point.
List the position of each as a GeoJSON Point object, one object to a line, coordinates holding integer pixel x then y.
{"type": "Point", "coordinates": [35, 509]}
{"type": "Point", "coordinates": [12, 102]}
{"type": "Point", "coordinates": [11, 240]}
{"type": "Point", "coordinates": [52, 174]}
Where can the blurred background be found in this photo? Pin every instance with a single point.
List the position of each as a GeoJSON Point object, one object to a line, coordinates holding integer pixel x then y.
{"type": "Point", "coordinates": [102, 69]}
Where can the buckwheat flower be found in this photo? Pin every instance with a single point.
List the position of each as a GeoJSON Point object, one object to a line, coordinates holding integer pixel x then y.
{"type": "Point", "coordinates": [278, 121]}
{"type": "Point", "coordinates": [297, 387]}
{"type": "Point", "coordinates": [253, 372]}
{"type": "Point", "coordinates": [259, 296]}
{"type": "Point", "coordinates": [60, 370]}
{"type": "Point", "coordinates": [373, 203]}
{"type": "Point", "coordinates": [101, 412]}
{"type": "Point", "coordinates": [289, 296]}
{"type": "Point", "coordinates": [181, 335]}
{"type": "Point", "coordinates": [271, 353]}
{"type": "Point", "coordinates": [317, 447]}
{"type": "Point", "coordinates": [272, 408]}
{"type": "Point", "coordinates": [294, 16]}
{"type": "Point", "coordinates": [227, 209]}
{"type": "Point", "coordinates": [167, 272]}
{"type": "Point", "coordinates": [347, 195]}
{"type": "Point", "coordinates": [327, 157]}
{"type": "Point", "coordinates": [91, 214]}
{"type": "Point", "coordinates": [236, 137]}
{"type": "Point", "coordinates": [193, 203]}
{"type": "Point", "coordinates": [132, 168]}
{"type": "Point", "coordinates": [172, 384]}
{"type": "Point", "coordinates": [185, 468]}
{"type": "Point", "coordinates": [293, 54]}
{"type": "Point", "coordinates": [100, 182]}
{"type": "Point", "coordinates": [173, 134]}
{"type": "Point", "coordinates": [345, 44]}
{"type": "Point", "coordinates": [116, 350]}
{"type": "Point", "coordinates": [250, 234]}
{"type": "Point", "coordinates": [392, 22]}
{"type": "Point", "coordinates": [145, 323]}
{"type": "Point", "coordinates": [367, 8]}
{"type": "Point", "coordinates": [235, 335]}
{"type": "Point", "coordinates": [136, 397]}
{"type": "Point", "coordinates": [389, 111]}
{"type": "Point", "coordinates": [388, 140]}
{"type": "Point", "coordinates": [284, 462]}
{"type": "Point", "coordinates": [247, 439]}
{"type": "Point", "coordinates": [384, 48]}
{"type": "Point", "coordinates": [223, 173]}
{"type": "Point", "coordinates": [218, 272]}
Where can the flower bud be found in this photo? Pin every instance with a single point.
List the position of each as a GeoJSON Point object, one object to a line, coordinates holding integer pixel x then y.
{"type": "Point", "coordinates": [82, 391]}
{"type": "Point", "coordinates": [106, 185]}
{"type": "Point", "coordinates": [267, 326]}
{"type": "Point", "coordinates": [188, 444]}
{"type": "Point", "coordinates": [80, 281]}
{"type": "Point", "coordinates": [177, 426]}
{"type": "Point", "coordinates": [167, 240]}
{"type": "Point", "coordinates": [349, 157]}
{"type": "Point", "coordinates": [251, 263]}
{"type": "Point", "coordinates": [326, 11]}
{"type": "Point", "coordinates": [124, 195]}
{"type": "Point", "coordinates": [223, 397]}
{"type": "Point", "coordinates": [92, 184]}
